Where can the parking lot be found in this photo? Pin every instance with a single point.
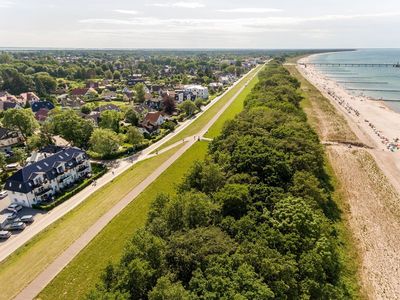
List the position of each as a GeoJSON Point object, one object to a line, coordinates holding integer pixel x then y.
{"type": "Point", "coordinates": [4, 203]}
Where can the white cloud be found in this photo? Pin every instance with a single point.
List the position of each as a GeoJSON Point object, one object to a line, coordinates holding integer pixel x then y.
{"type": "Point", "coordinates": [250, 10]}
{"type": "Point", "coordinates": [233, 25]}
{"type": "Point", "coordinates": [125, 11]}
{"type": "Point", "coordinates": [6, 3]}
{"type": "Point", "coordinates": [179, 4]}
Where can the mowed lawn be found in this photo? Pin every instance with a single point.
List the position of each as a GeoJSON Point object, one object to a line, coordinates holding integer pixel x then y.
{"type": "Point", "coordinates": [28, 261]}
{"type": "Point", "coordinates": [82, 274]}
{"type": "Point", "coordinates": [201, 121]}
{"type": "Point", "coordinates": [230, 113]}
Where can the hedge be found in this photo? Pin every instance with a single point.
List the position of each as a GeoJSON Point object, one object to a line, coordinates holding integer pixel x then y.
{"type": "Point", "coordinates": [69, 194]}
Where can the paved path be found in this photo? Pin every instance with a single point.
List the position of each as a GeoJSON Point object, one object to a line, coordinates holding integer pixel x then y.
{"type": "Point", "coordinates": [45, 277]}
{"type": "Point", "coordinates": [118, 167]}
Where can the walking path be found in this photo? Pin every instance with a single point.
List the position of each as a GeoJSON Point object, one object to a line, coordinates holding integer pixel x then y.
{"type": "Point", "coordinates": [44, 278]}
{"type": "Point", "coordinates": [117, 168]}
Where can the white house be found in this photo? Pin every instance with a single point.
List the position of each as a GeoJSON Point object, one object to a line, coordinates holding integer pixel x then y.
{"type": "Point", "coordinates": [197, 90]}
{"type": "Point", "coordinates": [41, 180]}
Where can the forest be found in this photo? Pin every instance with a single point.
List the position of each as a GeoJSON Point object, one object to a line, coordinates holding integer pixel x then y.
{"type": "Point", "coordinates": [255, 220]}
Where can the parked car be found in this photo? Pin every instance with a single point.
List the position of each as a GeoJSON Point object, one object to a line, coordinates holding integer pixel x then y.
{"type": "Point", "coordinates": [11, 167]}
{"type": "Point", "coordinates": [4, 235]}
{"type": "Point", "coordinates": [27, 219]}
{"type": "Point", "coordinates": [14, 207]}
{"type": "Point", "coordinates": [3, 194]}
{"type": "Point", "coordinates": [11, 216]}
{"type": "Point", "coordinates": [15, 226]}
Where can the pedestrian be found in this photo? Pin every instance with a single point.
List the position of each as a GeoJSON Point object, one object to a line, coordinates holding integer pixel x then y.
{"type": "Point", "coordinates": [113, 172]}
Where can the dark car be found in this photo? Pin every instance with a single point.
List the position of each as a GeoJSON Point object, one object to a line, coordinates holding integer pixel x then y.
{"type": "Point", "coordinates": [15, 226]}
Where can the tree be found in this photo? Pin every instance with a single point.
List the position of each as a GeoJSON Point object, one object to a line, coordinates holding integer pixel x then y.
{"type": "Point", "coordinates": [70, 126]}
{"type": "Point", "coordinates": [190, 250]}
{"type": "Point", "coordinates": [234, 199]}
{"type": "Point", "coordinates": [134, 136]}
{"type": "Point", "coordinates": [104, 141]}
{"type": "Point", "coordinates": [169, 105]}
{"type": "Point", "coordinates": [3, 161]}
{"type": "Point", "coordinates": [108, 74]}
{"type": "Point", "coordinates": [22, 120]}
{"type": "Point", "coordinates": [5, 58]}
{"type": "Point", "coordinates": [131, 116]}
{"type": "Point", "coordinates": [20, 156]}
{"type": "Point", "coordinates": [139, 91]}
{"type": "Point", "coordinates": [198, 103]}
{"type": "Point", "coordinates": [86, 109]}
{"type": "Point", "coordinates": [39, 141]}
{"type": "Point", "coordinates": [14, 81]}
{"type": "Point", "coordinates": [117, 75]}
{"type": "Point", "coordinates": [110, 119]}
{"type": "Point", "coordinates": [167, 289]}
{"type": "Point", "coordinates": [188, 107]}
{"type": "Point", "coordinates": [45, 84]}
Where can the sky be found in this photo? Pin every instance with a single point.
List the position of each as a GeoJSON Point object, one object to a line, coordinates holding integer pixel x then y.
{"type": "Point", "coordinates": [200, 23]}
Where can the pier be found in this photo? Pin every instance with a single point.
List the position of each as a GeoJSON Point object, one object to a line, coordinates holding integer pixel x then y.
{"type": "Point", "coordinates": [352, 65]}
{"type": "Point", "coordinates": [375, 90]}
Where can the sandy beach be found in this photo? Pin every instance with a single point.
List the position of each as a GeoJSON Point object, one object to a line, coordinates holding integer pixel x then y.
{"type": "Point", "coordinates": [371, 174]}
{"type": "Point", "coordinates": [373, 117]}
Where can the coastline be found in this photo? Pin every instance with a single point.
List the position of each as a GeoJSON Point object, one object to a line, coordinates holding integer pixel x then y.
{"type": "Point", "coordinates": [368, 176]}
{"type": "Point", "coordinates": [376, 119]}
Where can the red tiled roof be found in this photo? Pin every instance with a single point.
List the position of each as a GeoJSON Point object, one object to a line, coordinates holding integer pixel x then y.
{"type": "Point", "coordinates": [152, 117]}
{"type": "Point", "coordinates": [79, 92]}
{"type": "Point", "coordinates": [42, 114]}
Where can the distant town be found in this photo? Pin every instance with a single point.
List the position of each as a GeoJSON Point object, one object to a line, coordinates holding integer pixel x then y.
{"type": "Point", "coordinates": [65, 113]}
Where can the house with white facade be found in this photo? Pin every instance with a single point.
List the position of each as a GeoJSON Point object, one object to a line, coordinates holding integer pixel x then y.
{"type": "Point", "coordinates": [197, 90]}
{"type": "Point", "coordinates": [40, 181]}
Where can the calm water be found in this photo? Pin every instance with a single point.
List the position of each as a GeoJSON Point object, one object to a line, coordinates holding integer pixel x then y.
{"type": "Point", "coordinates": [357, 79]}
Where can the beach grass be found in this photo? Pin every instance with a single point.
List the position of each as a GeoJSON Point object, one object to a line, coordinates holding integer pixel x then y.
{"type": "Point", "coordinates": [338, 129]}
{"type": "Point", "coordinates": [28, 261]}
{"type": "Point", "coordinates": [82, 274]}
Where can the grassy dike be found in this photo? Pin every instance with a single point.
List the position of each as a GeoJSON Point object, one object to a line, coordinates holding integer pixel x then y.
{"type": "Point", "coordinates": [347, 249]}
{"type": "Point", "coordinates": [231, 111]}
{"type": "Point", "coordinates": [28, 261]}
{"type": "Point", "coordinates": [201, 121]}
{"type": "Point", "coordinates": [81, 275]}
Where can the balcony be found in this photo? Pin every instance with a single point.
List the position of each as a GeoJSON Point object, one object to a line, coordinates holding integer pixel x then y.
{"type": "Point", "coordinates": [42, 191]}
{"type": "Point", "coordinates": [64, 178]}
{"type": "Point", "coordinates": [82, 168]}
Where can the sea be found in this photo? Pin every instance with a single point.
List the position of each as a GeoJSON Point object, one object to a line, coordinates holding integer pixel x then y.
{"type": "Point", "coordinates": [380, 83]}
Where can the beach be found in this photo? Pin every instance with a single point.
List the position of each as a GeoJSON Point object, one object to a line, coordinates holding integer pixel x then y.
{"type": "Point", "coordinates": [369, 172]}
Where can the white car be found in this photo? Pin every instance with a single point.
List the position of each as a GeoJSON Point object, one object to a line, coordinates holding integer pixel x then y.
{"type": "Point", "coordinates": [4, 235]}
{"type": "Point", "coordinates": [27, 219]}
{"type": "Point", "coordinates": [3, 194]}
{"type": "Point", "coordinates": [14, 207]}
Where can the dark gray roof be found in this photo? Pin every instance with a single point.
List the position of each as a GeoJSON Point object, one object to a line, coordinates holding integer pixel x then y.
{"type": "Point", "coordinates": [6, 133]}
{"type": "Point", "coordinates": [36, 106]}
{"type": "Point", "coordinates": [22, 180]}
{"type": "Point", "coordinates": [107, 107]}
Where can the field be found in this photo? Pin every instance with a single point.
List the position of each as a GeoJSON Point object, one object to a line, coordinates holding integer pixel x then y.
{"type": "Point", "coordinates": [199, 123]}
{"type": "Point", "coordinates": [81, 275]}
{"type": "Point", "coordinates": [28, 261]}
